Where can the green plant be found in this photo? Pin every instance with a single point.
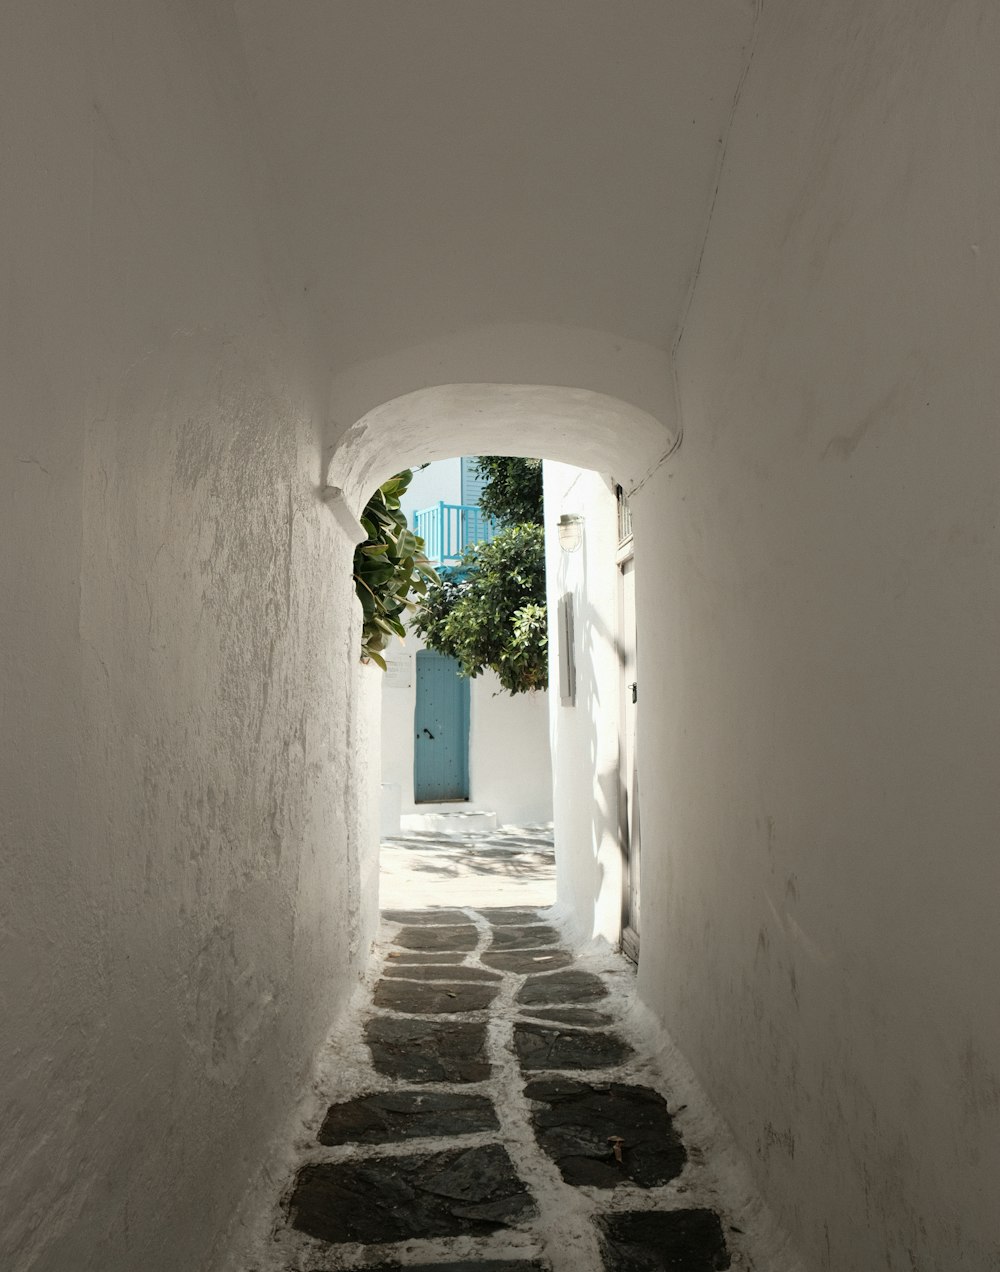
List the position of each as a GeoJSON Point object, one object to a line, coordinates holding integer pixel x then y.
{"type": "Point", "coordinates": [389, 569]}
{"type": "Point", "coordinates": [512, 494]}
{"type": "Point", "coordinates": [491, 612]}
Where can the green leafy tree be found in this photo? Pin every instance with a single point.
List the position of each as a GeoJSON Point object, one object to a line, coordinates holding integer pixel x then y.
{"type": "Point", "coordinates": [513, 491]}
{"type": "Point", "coordinates": [491, 612]}
{"type": "Point", "coordinates": [390, 569]}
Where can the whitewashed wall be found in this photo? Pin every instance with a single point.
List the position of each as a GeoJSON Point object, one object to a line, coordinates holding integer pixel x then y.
{"type": "Point", "coordinates": [585, 736]}
{"type": "Point", "coordinates": [820, 567]}
{"type": "Point", "coordinates": [817, 568]}
{"type": "Point", "coordinates": [510, 766]}
{"type": "Point", "coordinates": [180, 908]}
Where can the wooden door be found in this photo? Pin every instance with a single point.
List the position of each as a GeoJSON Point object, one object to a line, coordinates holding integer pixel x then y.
{"type": "Point", "coordinates": [441, 725]}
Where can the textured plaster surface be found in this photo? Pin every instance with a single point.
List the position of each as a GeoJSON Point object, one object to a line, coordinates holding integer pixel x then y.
{"type": "Point", "coordinates": [181, 757]}
{"type": "Point", "coordinates": [180, 884]}
{"type": "Point", "coordinates": [573, 425]}
{"type": "Point", "coordinates": [513, 210]}
{"type": "Point", "coordinates": [820, 567]}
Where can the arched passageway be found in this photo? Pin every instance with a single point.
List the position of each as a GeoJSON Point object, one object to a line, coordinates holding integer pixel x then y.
{"type": "Point", "coordinates": [231, 237]}
{"type": "Point", "coordinates": [595, 443]}
{"type": "Point", "coordinates": [481, 997]}
{"type": "Point", "coordinates": [579, 396]}
{"type": "Point", "coordinates": [574, 426]}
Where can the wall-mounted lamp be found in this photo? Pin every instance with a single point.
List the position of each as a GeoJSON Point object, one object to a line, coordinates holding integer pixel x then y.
{"type": "Point", "coordinates": [570, 531]}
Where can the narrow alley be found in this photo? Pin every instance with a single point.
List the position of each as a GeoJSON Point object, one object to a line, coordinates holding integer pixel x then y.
{"type": "Point", "coordinates": [493, 1102]}
{"type": "Point", "coordinates": [728, 272]}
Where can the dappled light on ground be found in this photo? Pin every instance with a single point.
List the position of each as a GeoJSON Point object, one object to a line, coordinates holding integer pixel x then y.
{"type": "Point", "coordinates": [513, 865]}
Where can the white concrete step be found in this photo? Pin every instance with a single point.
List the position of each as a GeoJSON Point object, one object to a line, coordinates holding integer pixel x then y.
{"type": "Point", "coordinates": [449, 821]}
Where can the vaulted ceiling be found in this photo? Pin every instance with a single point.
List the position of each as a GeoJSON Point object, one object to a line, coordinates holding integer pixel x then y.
{"type": "Point", "coordinates": [451, 164]}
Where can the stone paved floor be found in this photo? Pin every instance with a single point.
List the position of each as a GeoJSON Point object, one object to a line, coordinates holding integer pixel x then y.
{"type": "Point", "coordinates": [514, 863]}
{"type": "Point", "coordinates": [490, 1107]}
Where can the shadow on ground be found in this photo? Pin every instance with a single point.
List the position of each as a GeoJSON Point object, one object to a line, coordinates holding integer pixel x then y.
{"type": "Point", "coordinates": [427, 869]}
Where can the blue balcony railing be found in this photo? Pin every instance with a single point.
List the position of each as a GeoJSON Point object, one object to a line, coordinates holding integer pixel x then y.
{"type": "Point", "coordinates": [448, 529]}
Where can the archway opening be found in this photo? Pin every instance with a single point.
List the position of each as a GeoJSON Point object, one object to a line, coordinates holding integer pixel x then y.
{"type": "Point", "coordinates": [595, 449]}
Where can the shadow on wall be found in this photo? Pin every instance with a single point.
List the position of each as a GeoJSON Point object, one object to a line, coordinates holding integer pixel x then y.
{"type": "Point", "coordinates": [587, 778]}
{"type": "Point", "coordinates": [608, 789]}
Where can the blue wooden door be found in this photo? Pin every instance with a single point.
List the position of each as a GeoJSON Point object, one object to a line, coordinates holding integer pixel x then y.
{"type": "Point", "coordinates": [441, 724]}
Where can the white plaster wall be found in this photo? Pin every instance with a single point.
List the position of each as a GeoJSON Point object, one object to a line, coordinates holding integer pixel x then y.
{"type": "Point", "coordinates": [544, 420]}
{"type": "Point", "coordinates": [362, 800]}
{"type": "Point", "coordinates": [584, 737]}
{"type": "Point", "coordinates": [180, 907]}
{"type": "Point", "coordinates": [396, 712]}
{"type": "Point", "coordinates": [820, 568]}
{"type": "Point", "coordinates": [391, 129]}
{"type": "Point", "coordinates": [817, 569]}
{"type": "Point", "coordinates": [510, 770]}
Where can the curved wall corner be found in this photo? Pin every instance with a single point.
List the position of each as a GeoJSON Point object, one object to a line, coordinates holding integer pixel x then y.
{"type": "Point", "coordinates": [583, 397]}
{"type": "Point", "coordinates": [577, 426]}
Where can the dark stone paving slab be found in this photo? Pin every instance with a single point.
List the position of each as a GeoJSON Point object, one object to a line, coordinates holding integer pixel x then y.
{"type": "Point", "coordinates": [523, 938]}
{"type": "Point", "coordinates": [438, 972]}
{"type": "Point", "coordinates": [473, 1191]}
{"type": "Point", "coordinates": [387, 1116]}
{"type": "Point", "coordinates": [432, 998]}
{"type": "Point", "coordinates": [475, 1265]}
{"type": "Point", "coordinates": [525, 961]}
{"type": "Point", "coordinates": [428, 1050]}
{"type": "Point", "coordinates": [413, 957]}
{"type": "Point", "coordinates": [576, 1125]}
{"type": "Point", "coordinates": [553, 1047]}
{"type": "Point", "coordinates": [502, 917]}
{"type": "Point", "coordinates": [679, 1240]}
{"type": "Point", "coordinates": [563, 988]}
{"type": "Point", "coordinates": [584, 1016]}
{"type": "Point", "coordinates": [465, 937]}
{"type": "Point", "coordinates": [425, 916]}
